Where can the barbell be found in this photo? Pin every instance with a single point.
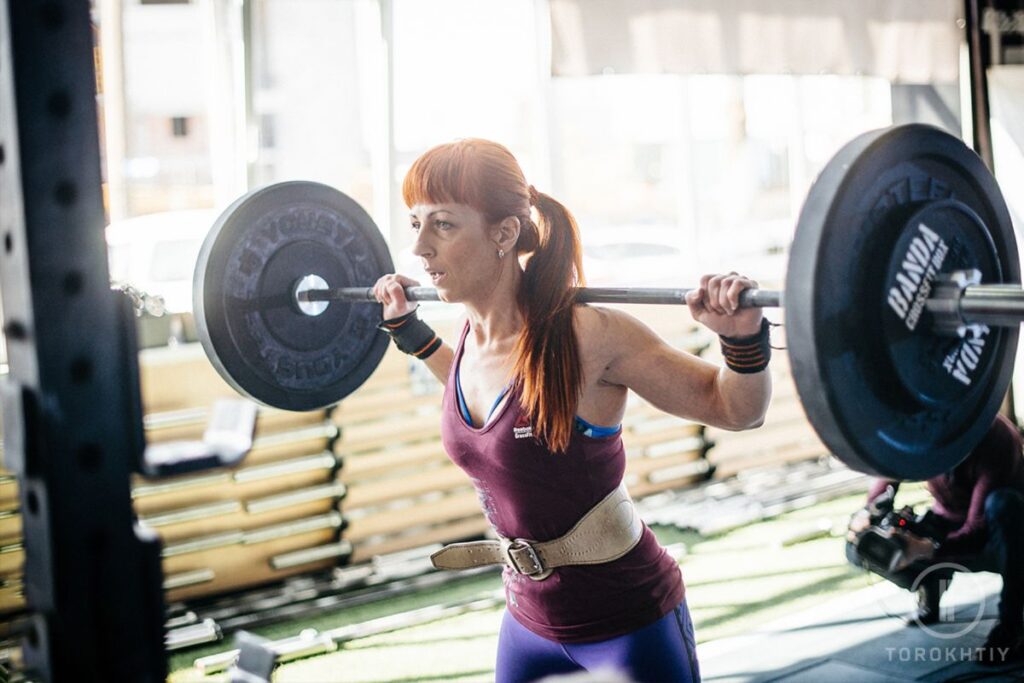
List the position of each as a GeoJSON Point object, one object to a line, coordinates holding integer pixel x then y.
{"type": "Point", "coordinates": [902, 299]}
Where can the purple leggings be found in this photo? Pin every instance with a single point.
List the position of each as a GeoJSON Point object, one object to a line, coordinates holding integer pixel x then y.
{"type": "Point", "coordinates": [661, 652]}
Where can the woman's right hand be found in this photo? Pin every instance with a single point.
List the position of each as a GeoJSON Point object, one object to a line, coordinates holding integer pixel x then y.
{"type": "Point", "coordinates": [389, 290]}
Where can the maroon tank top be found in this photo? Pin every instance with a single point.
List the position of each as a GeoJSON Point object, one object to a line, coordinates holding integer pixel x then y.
{"type": "Point", "coordinates": [527, 491]}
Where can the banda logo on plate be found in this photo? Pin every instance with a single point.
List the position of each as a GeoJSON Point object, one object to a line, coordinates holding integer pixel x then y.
{"type": "Point", "coordinates": [965, 358]}
{"type": "Point", "coordinates": [921, 264]}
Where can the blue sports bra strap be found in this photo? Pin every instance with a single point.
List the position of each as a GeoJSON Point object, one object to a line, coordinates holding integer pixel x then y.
{"type": "Point", "coordinates": [592, 430]}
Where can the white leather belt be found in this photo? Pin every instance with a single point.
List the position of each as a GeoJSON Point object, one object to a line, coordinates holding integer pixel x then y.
{"type": "Point", "coordinates": [608, 531]}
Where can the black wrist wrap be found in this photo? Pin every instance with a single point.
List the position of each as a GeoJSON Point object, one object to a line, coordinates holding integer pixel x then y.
{"type": "Point", "coordinates": [747, 355]}
{"type": "Point", "coordinates": [411, 335]}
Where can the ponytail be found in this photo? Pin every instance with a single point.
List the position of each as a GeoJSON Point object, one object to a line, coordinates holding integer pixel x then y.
{"type": "Point", "coordinates": [547, 367]}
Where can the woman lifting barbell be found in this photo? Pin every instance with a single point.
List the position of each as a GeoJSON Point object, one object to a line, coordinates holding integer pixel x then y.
{"type": "Point", "coordinates": [590, 587]}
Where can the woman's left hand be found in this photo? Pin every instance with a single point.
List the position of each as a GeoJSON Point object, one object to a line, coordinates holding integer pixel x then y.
{"type": "Point", "coordinates": [715, 304]}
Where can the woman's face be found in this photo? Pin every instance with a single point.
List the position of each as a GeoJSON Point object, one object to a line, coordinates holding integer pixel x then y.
{"type": "Point", "coordinates": [457, 248]}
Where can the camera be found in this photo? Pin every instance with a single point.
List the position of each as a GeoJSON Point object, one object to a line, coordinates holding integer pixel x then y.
{"type": "Point", "coordinates": [880, 546]}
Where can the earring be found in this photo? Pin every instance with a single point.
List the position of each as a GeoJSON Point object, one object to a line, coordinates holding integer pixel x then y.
{"type": "Point", "coordinates": [501, 253]}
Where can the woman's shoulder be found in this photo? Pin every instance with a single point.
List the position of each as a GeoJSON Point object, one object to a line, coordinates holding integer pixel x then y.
{"type": "Point", "coordinates": [598, 321]}
{"type": "Point", "coordinates": [590, 321]}
{"type": "Point", "coordinates": [604, 330]}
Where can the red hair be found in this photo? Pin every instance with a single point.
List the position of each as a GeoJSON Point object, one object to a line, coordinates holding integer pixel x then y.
{"type": "Point", "coordinates": [484, 175]}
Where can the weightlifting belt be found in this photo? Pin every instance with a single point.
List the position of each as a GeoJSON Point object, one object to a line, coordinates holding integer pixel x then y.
{"type": "Point", "coordinates": [607, 532]}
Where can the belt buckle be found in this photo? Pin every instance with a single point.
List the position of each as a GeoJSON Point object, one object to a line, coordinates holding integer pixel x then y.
{"type": "Point", "coordinates": [520, 544]}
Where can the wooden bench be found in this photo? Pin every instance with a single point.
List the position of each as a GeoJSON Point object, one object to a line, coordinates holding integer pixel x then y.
{"type": "Point", "coordinates": [239, 558]}
{"type": "Point", "coordinates": [223, 529]}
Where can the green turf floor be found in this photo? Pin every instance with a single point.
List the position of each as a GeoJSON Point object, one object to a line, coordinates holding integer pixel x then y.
{"type": "Point", "coordinates": [736, 581]}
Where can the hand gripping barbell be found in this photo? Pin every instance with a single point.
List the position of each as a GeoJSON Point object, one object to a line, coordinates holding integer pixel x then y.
{"type": "Point", "coordinates": [900, 354]}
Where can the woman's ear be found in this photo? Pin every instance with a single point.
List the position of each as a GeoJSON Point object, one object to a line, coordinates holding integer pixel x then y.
{"type": "Point", "coordinates": [507, 233]}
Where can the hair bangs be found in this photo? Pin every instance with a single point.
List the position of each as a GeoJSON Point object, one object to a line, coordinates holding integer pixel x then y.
{"type": "Point", "coordinates": [441, 175]}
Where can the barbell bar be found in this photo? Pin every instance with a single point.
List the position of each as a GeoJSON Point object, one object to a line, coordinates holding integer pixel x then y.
{"type": "Point", "coordinates": [902, 299]}
{"type": "Point", "coordinates": [750, 298]}
{"type": "Point", "coordinates": [958, 306]}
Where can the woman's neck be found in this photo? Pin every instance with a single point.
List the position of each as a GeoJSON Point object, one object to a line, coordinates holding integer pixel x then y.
{"type": "Point", "coordinates": [494, 316]}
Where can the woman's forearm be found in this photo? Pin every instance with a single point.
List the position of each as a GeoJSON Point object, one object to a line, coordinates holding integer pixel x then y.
{"type": "Point", "coordinates": [440, 362]}
{"type": "Point", "coordinates": [744, 397]}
